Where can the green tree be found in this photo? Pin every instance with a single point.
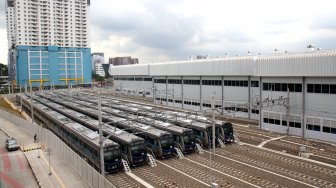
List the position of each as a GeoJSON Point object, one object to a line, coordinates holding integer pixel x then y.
{"type": "Point", "coordinates": [3, 70]}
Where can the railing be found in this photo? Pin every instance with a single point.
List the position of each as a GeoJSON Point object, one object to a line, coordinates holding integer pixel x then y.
{"type": "Point", "coordinates": [79, 165]}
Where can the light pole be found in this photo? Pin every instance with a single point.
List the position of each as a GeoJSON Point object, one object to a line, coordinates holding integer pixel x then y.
{"type": "Point", "coordinates": [49, 153]}
{"type": "Point", "coordinates": [213, 123]}
{"type": "Point", "coordinates": [102, 167]}
{"type": "Point", "coordinates": [154, 96]}
{"type": "Point", "coordinates": [20, 99]}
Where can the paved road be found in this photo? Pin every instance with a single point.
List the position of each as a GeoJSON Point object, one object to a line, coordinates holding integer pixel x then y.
{"type": "Point", "coordinates": [14, 168]}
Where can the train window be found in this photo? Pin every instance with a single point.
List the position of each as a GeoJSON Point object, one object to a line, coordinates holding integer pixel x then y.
{"type": "Point", "coordinates": [326, 129]}
{"type": "Point", "coordinates": [271, 121]}
{"type": "Point", "coordinates": [277, 122]}
{"type": "Point", "coordinates": [177, 138]}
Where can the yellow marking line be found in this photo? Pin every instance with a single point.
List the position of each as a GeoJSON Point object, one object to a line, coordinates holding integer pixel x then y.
{"type": "Point", "coordinates": [54, 173]}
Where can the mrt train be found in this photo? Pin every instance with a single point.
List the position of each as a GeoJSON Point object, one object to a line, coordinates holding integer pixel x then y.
{"type": "Point", "coordinates": [133, 148]}
{"type": "Point", "coordinates": [160, 143]}
{"type": "Point", "coordinates": [77, 136]}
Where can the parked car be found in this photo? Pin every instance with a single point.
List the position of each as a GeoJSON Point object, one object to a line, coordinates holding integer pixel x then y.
{"type": "Point", "coordinates": [11, 144]}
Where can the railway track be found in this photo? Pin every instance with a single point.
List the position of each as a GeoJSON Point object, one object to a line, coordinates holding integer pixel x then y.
{"type": "Point", "coordinates": [122, 180]}
{"type": "Point", "coordinates": [297, 170]}
{"type": "Point", "coordinates": [238, 166]}
{"type": "Point", "coordinates": [237, 172]}
{"type": "Point", "coordinates": [250, 138]}
{"type": "Point", "coordinates": [162, 176]}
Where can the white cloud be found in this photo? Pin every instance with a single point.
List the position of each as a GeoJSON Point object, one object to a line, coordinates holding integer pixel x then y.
{"type": "Point", "coordinates": [176, 29]}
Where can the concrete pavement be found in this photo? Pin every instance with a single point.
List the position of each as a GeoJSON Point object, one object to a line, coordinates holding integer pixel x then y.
{"type": "Point", "coordinates": [61, 174]}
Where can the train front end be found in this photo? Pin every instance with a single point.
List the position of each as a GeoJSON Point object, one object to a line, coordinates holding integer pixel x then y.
{"type": "Point", "coordinates": [228, 133]}
{"type": "Point", "coordinates": [112, 158]}
{"type": "Point", "coordinates": [167, 146]}
{"type": "Point", "coordinates": [138, 153]}
{"type": "Point", "coordinates": [189, 140]}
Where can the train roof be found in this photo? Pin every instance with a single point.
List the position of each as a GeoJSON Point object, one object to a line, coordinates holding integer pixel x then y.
{"type": "Point", "coordinates": [76, 128]}
{"type": "Point", "coordinates": [165, 125]}
{"type": "Point", "coordinates": [114, 132]}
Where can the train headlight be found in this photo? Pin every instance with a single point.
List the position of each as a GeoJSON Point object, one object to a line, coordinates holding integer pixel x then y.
{"type": "Point", "coordinates": [171, 146]}
{"type": "Point", "coordinates": [142, 153]}
{"type": "Point", "coordinates": [116, 159]}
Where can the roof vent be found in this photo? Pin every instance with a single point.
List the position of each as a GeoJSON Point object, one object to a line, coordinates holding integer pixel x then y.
{"type": "Point", "coordinates": [226, 54]}
{"type": "Point", "coordinates": [311, 47]}
{"type": "Point", "coordinates": [249, 52]}
{"type": "Point", "coordinates": [276, 51]}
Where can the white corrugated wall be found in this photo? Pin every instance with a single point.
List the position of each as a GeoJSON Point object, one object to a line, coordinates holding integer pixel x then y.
{"type": "Point", "coordinates": [317, 63]}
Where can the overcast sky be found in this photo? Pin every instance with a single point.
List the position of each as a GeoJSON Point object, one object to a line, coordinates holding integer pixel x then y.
{"type": "Point", "coordinates": [161, 30]}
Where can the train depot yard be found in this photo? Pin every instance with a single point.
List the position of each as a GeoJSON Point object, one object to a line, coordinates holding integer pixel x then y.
{"type": "Point", "coordinates": [150, 145]}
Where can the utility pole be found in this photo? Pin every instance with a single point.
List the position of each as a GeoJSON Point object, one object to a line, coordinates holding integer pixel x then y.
{"type": "Point", "coordinates": [154, 94]}
{"type": "Point", "coordinates": [31, 104]}
{"type": "Point", "coordinates": [213, 124]}
{"type": "Point", "coordinates": [287, 111]}
{"type": "Point", "coordinates": [20, 100]}
{"type": "Point", "coordinates": [102, 166]}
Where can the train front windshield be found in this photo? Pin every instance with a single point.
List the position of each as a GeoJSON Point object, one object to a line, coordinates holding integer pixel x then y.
{"type": "Point", "coordinates": [138, 147]}
{"type": "Point", "coordinates": [228, 129]}
{"type": "Point", "coordinates": [111, 154]}
{"type": "Point", "coordinates": [189, 137]}
{"type": "Point", "coordinates": [167, 141]}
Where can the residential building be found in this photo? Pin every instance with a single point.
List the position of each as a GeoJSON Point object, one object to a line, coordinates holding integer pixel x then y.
{"type": "Point", "coordinates": [97, 63]}
{"type": "Point", "coordinates": [116, 61]}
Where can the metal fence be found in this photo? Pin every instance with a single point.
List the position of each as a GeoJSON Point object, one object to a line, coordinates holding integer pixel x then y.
{"type": "Point", "coordinates": [83, 169]}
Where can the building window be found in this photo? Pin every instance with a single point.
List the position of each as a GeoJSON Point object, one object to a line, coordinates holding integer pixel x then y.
{"type": "Point", "coordinates": [212, 82]}
{"type": "Point", "coordinates": [174, 81]}
{"type": "Point", "coordinates": [206, 105]}
{"type": "Point", "coordinates": [160, 81]}
{"type": "Point", "coordinates": [236, 83]}
{"type": "Point", "coordinates": [321, 88]}
{"type": "Point", "coordinates": [253, 111]}
{"type": "Point", "coordinates": [254, 83]}
{"type": "Point", "coordinates": [292, 87]}
{"type": "Point", "coordinates": [326, 129]}
{"type": "Point", "coordinates": [191, 82]}
{"type": "Point", "coordinates": [314, 127]}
